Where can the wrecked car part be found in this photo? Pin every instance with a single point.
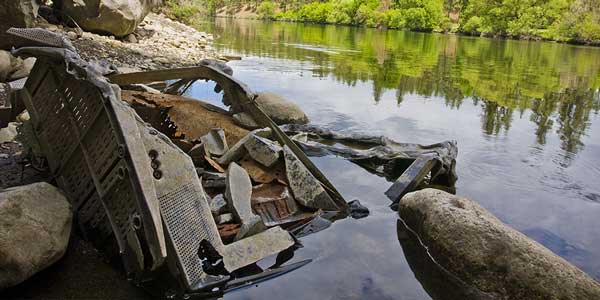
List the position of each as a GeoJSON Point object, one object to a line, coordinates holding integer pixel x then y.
{"type": "Point", "coordinates": [126, 179]}
{"type": "Point", "coordinates": [275, 205]}
{"type": "Point", "coordinates": [262, 150]}
{"type": "Point", "coordinates": [211, 179]}
{"type": "Point", "coordinates": [240, 98]}
{"type": "Point", "coordinates": [181, 86]}
{"type": "Point", "coordinates": [243, 282]}
{"type": "Point", "coordinates": [218, 205]}
{"type": "Point", "coordinates": [215, 142]}
{"type": "Point", "coordinates": [261, 174]}
{"type": "Point", "coordinates": [192, 118]}
{"type": "Point", "coordinates": [406, 164]}
{"type": "Point", "coordinates": [238, 150]}
{"type": "Point", "coordinates": [238, 194]}
{"type": "Point", "coordinates": [412, 176]}
{"type": "Point", "coordinates": [40, 37]}
{"type": "Point", "coordinates": [305, 187]}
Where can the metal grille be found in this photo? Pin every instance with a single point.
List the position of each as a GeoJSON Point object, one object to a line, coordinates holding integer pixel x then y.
{"type": "Point", "coordinates": [187, 223]}
{"type": "Point", "coordinates": [41, 36]}
{"type": "Point", "coordinates": [81, 134]}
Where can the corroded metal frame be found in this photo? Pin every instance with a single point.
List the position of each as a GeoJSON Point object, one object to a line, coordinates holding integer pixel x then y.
{"type": "Point", "coordinates": [241, 98]}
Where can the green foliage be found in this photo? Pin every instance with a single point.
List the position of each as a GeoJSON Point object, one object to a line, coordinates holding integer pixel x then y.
{"type": "Point", "coordinates": [561, 20]}
{"type": "Point", "coordinates": [266, 10]}
{"type": "Point", "coordinates": [316, 12]}
{"type": "Point", "coordinates": [394, 19]}
{"type": "Point", "coordinates": [184, 11]}
{"type": "Point", "coordinates": [472, 26]}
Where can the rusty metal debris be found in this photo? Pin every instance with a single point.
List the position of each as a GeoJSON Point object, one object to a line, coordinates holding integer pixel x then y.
{"type": "Point", "coordinates": [127, 180]}
{"type": "Point", "coordinates": [410, 165]}
{"type": "Point", "coordinates": [186, 193]}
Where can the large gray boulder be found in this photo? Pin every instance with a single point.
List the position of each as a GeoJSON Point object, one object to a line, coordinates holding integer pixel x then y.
{"type": "Point", "coordinates": [35, 224]}
{"type": "Point", "coordinates": [115, 17]}
{"type": "Point", "coordinates": [16, 13]}
{"type": "Point", "coordinates": [281, 110]}
{"type": "Point", "coordinates": [487, 255]}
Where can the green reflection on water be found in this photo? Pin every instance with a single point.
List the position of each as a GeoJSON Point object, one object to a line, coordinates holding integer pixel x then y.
{"type": "Point", "coordinates": [559, 83]}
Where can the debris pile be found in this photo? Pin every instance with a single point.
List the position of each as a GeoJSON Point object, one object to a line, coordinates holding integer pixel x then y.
{"type": "Point", "coordinates": [252, 181]}
{"type": "Point", "coordinates": [189, 197]}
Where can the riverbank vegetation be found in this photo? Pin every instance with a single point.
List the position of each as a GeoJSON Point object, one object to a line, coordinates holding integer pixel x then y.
{"type": "Point", "coordinates": [576, 21]}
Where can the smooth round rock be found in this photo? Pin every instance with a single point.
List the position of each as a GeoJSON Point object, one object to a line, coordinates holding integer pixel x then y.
{"type": "Point", "coordinates": [484, 253]}
{"type": "Point", "coordinates": [35, 225]}
{"type": "Point", "coordinates": [281, 110]}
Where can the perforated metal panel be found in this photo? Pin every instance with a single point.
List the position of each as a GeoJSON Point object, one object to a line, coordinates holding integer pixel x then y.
{"type": "Point", "coordinates": [80, 123]}
{"type": "Point", "coordinates": [188, 226]}
{"type": "Point", "coordinates": [41, 36]}
{"type": "Point", "coordinates": [123, 176]}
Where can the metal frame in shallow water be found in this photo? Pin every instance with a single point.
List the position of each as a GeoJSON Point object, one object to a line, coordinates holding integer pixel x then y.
{"type": "Point", "coordinates": [125, 179]}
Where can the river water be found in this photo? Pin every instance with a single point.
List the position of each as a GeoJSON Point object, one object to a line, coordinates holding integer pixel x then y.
{"type": "Point", "coordinates": [525, 116]}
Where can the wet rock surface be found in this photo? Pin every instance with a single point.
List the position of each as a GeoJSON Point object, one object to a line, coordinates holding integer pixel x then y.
{"type": "Point", "coordinates": [238, 194]}
{"type": "Point", "coordinates": [281, 110]}
{"type": "Point", "coordinates": [485, 254]}
{"type": "Point", "coordinates": [35, 224]}
{"type": "Point", "coordinates": [305, 187]}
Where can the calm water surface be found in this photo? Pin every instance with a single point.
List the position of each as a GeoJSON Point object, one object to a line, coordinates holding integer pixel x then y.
{"type": "Point", "coordinates": [525, 115]}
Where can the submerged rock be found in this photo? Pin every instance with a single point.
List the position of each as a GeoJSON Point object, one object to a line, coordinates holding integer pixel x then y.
{"type": "Point", "coordinates": [35, 224]}
{"type": "Point", "coordinates": [245, 120]}
{"type": "Point", "coordinates": [484, 253]}
{"type": "Point", "coordinates": [238, 194]}
{"type": "Point", "coordinates": [307, 190]}
{"type": "Point", "coordinates": [281, 110]}
{"type": "Point", "coordinates": [357, 210]}
{"type": "Point", "coordinates": [262, 150]}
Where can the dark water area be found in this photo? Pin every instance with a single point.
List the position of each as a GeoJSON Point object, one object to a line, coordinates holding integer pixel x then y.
{"type": "Point", "coordinates": [525, 116]}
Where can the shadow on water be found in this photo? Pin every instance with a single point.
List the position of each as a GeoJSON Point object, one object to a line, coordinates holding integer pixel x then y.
{"type": "Point", "coordinates": [437, 281]}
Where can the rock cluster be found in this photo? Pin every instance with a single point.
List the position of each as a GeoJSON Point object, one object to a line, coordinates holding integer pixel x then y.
{"type": "Point", "coordinates": [157, 43]}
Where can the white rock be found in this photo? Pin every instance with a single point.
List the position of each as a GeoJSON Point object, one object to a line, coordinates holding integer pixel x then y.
{"type": "Point", "coordinates": [34, 230]}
